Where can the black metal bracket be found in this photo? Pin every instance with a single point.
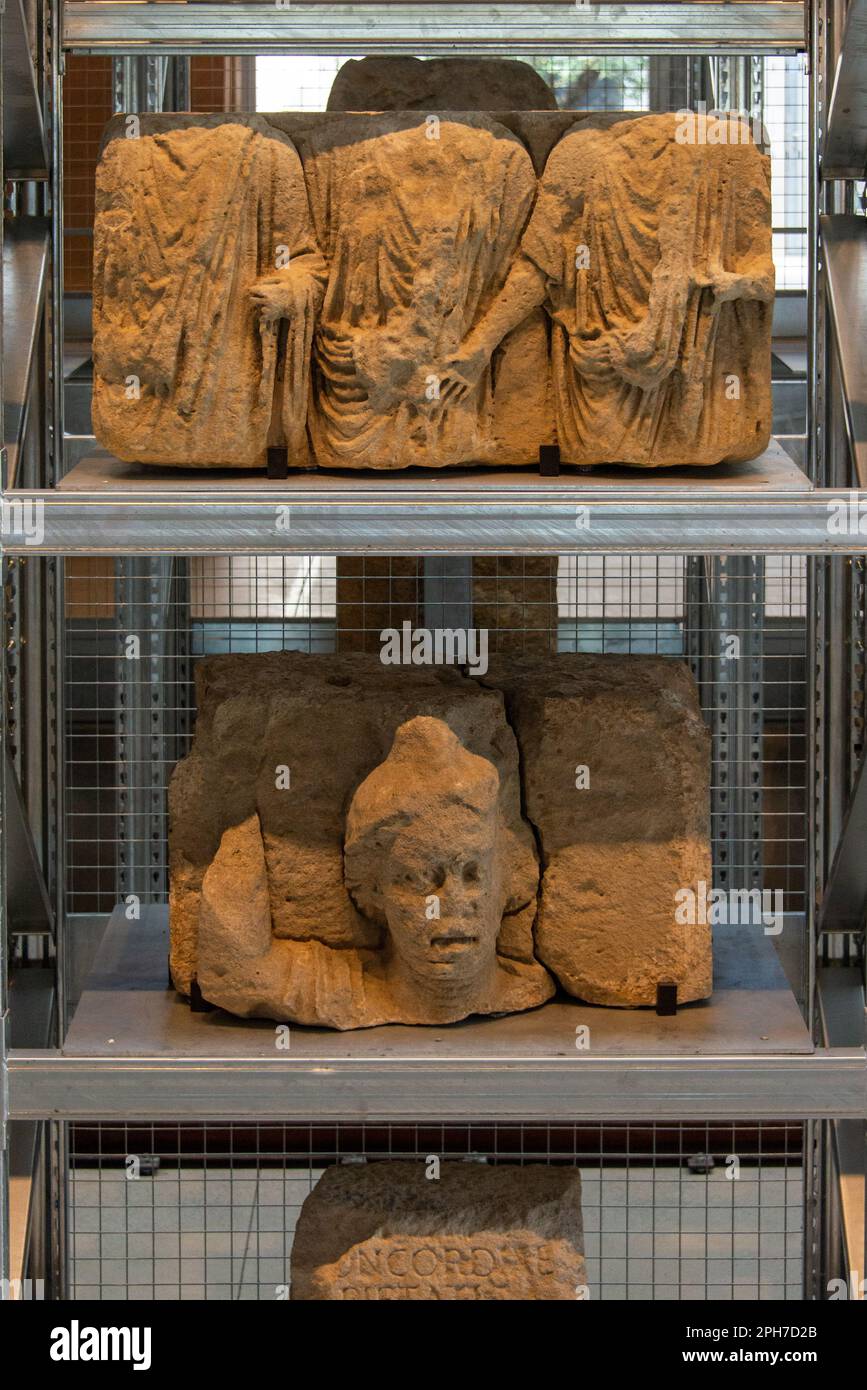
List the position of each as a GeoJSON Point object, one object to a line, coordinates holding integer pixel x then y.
{"type": "Point", "coordinates": [666, 998]}
{"type": "Point", "coordinates": [549, 460]}
{"type": "Point", "coordinates": [278, 461]}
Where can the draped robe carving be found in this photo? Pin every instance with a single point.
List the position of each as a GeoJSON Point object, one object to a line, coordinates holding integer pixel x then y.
{"type": "Point", "coordinates": [190, 222]}
{"type": "Point", "coordinates": [660, 286]}
{"type": "Point", "coordinates": [419, 234]}
{"type": "Point", "coordinates": [386, 299]}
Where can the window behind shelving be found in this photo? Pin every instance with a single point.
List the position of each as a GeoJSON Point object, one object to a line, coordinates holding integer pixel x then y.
{"type": "Point", "coordinates": [785, 117]}
{"type": "Point", "coordinates": [589, 84]}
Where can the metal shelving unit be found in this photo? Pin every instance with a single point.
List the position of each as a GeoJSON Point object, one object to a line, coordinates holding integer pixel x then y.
{"type": "Point", "coordinates": [524, 516]}
{"type": "Point", "coordinates": [129, 1052]}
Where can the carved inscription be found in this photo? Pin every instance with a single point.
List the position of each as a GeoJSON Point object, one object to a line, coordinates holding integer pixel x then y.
{"type": "Point", "coordinates": [395, 1230]}
{"type": "Point", "coordinates": [481, 1267]}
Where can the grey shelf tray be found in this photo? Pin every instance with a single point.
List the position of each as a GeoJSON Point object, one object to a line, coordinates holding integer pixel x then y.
{"type": "Point", "coordinates": [844, 237]}
{"type": "Point", "coordinates": [25, 263]}
{"type": "Point", "coordinates": [134, 1049]}
{"type": "Point", "coordinates": [844, 154]}
{"type": "Point", "coordinates": [773, 471]}
{"type": "Point", "coordinates": [126, 1008]}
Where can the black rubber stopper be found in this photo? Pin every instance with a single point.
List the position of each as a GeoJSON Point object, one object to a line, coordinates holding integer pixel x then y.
{"type": "Point", "coordinates": [278, 461]}
{"type": "Point", "coordinates": [549, 460]}
{"type": "Point", "coordinates": [666, 998]}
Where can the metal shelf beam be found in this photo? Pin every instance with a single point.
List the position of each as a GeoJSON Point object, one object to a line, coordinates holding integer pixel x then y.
{"type": "Point", "coordinates": [831, 1083]}
{"type": "Point", "coordinates": [348, 522]}
{"type": "Point", "coordinates": [741, 26]}
{"type": "Point", "coordinates": [844, 155]}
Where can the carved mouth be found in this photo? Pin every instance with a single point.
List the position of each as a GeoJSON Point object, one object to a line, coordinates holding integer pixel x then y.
{"type": "Point", "coordinates": [453, 943]}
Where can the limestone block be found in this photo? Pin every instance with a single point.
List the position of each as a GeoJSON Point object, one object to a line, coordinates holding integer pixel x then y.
{"type": "Point", "coordinates": [354, 844]}
{"type": "Point", "coordinates": [439, 84]}
{"type": "Point", "coordinates": [617, 850]}
{"type": "Point", "coordinates": [276, 807]}
{"type": "Point", "coordinates": [656, 253]}
{"type": "Point", "coordinates": [384, 1230]}
{"type": "Point", "coordinates": [373, 592]}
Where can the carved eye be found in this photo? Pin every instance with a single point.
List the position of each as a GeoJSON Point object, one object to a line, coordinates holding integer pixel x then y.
{"type": "Point", "coordinates": [471, 873]}
{"type": "Point", "coordinates": [438, 876]}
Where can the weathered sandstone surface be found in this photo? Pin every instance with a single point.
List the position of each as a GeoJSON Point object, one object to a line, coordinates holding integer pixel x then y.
{"type": "Point", "coordinates": [386, 1231]}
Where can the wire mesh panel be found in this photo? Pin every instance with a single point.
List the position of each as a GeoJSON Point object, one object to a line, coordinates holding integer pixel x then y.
{"type": "Point", "coordinates": [136, 628]}
{"type": "Point", "coordinates": [705, 1212]}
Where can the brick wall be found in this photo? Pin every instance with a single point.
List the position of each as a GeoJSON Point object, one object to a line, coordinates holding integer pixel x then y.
{"type": "Point", "coordinates": [86, 108]}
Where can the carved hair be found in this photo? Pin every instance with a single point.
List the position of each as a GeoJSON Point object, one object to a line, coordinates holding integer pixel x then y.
{"type": "Point", "coordinates": [428, 769]}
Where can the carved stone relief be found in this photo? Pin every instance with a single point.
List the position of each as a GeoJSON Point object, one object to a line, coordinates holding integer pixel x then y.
{"type": "Point", "coordinates": [377, 1231]}
{"type": "Point", "coordinates": [376, 291]}
{"type": "Point", "coordinates": [352, 844]}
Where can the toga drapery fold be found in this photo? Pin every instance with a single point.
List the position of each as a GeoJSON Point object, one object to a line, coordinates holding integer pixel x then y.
{"type": "Point", "coordinates": [184, 365]}
{"type": "Point", "coordinates": [657, 259]}
{"type": "Point", "coordinates": [419, 234]}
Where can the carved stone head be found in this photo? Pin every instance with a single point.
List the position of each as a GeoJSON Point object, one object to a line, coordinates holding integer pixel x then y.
{"type": "Point", "coordinates": [423, 855]}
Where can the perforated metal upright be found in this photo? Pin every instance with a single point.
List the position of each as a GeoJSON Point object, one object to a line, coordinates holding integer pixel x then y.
{"type": "Point", "coordinates": [507, 1091]}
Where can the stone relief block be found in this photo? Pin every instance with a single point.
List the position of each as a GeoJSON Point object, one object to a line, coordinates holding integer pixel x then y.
{"type": "Point", "coordinates": [384, 1230]}
{"type": "Point", "coordinates": [297, 894]}
{"type": "Point", "coordinates": [515, 601]}
{"type": "Point", "coordinates": [439, 84]}
{"type": "Point", "coordinates": [353, 844]}
{"type": "Point", "coordinates": [377, 291]}
{"type": "Point", "coordinates": [616, 783]}
{"type": "Point", "coordinates": [420, 235]}
{"type": "Point", "coordinates": [656, 253]}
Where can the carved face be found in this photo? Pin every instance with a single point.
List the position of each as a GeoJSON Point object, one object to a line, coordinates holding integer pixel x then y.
{"type": "Point", "coordinates": [441, 898]}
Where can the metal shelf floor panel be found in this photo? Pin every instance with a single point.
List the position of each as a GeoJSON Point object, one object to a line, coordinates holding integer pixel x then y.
{"type": "Point", "coordinates": [126, 1008]}
{"type": "Point", "coordinates": [773, 471]}
{"type": "Point", "coordinates": [135, 1049]}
